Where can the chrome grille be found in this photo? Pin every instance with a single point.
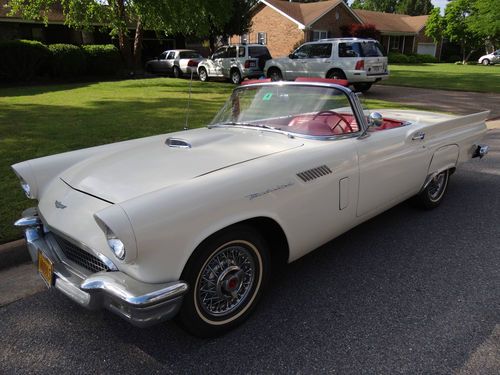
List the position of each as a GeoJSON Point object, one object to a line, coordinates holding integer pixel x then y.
{"type": "Point", "coordinates": [314, 173]}
{"type": "Point", "coordinates": [80, 256]}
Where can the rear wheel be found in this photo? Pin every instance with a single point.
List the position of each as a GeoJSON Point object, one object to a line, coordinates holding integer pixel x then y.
{"type": "Point", "coordinates": [226, 275]}
{"type": "Point", "coordinates": [362, 87]}
{"type": "Point", "coordinates": [486, 62]}
{"type": "Point", "coordinates": [275, 74]}
{"type": "Point", "coordinates": [177, 72]}
{"type": "Point", "coordinates": [335, 74]}
{"type": "Point", "coordinates": [433, 194]}
{"type": "Point", "coordinates": [235, 76]}
{"type": "Point", "coordinates": [202, 74]}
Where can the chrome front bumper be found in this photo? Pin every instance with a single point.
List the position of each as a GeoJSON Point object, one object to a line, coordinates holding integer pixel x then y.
{"type": "Point", "coordinates": [141, 304]}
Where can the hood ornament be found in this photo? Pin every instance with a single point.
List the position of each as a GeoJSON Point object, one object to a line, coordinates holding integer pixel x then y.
{"type": "Point", "coordinates": [60, 205]}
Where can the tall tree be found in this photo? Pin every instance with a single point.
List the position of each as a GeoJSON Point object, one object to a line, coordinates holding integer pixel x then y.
{"type": "Point", "coordinates": [190, 17]}
{"type": "Point", "coordinates": [414, 7]}
{"type": "Point", "coordinates": [388, 6]}
{"type": "Point", "coordinates": [485, 21]}
{"type": "Point", "coordinates": [455, 25]}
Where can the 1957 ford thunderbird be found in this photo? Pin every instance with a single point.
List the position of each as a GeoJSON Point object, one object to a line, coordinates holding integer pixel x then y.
{"type": "Point", "coordinates": [191, 223]}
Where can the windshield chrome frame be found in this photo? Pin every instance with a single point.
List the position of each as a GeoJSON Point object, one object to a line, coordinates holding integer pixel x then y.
{"type": "Point", "coordinates": [357, 110]}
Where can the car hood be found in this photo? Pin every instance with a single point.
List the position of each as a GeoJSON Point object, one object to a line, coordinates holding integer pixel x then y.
{"type": "Point", "coordinates": [146, 165]}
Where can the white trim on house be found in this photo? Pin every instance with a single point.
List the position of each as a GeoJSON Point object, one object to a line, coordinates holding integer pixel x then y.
{"type": "Point", "coordinates": [333, 7]}
{"type": "Point", "coordinates": [300, 25]}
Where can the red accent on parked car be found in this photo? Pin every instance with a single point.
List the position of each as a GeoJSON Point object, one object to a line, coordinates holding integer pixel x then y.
{"type": "Point", "coordinates": [360, 65]}
{"type": "Point", "coordinates": [341, 82]}
{"type": "Point", "coordinates": [192, 63]}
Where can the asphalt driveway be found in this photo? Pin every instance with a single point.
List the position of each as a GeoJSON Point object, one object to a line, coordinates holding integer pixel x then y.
{"type": "Point", "coordinates": [459, 102]}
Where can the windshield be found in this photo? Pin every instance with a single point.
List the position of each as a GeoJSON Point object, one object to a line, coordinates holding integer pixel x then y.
{"type": "Point", "coordinates": [308, 110]}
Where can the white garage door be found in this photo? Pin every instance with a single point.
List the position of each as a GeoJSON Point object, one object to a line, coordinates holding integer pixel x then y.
{"type": "Point", "coordinates": [426, 49]}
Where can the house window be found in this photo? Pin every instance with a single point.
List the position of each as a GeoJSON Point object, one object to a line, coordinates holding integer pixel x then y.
{"type": "Point", "coordinates": [319, 34]}
{"type": "Point", "coordinates": [394, 42]}
{"type": "Point", "coordinates": [262, 38]}
{"type": "Point", "coordinates": [244, 39]}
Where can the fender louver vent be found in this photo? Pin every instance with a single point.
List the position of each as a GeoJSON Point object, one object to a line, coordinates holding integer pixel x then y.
{"type": "Point", "coordinates": [314, 173]}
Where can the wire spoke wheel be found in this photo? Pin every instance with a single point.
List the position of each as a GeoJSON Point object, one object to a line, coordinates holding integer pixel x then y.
{"type": "Point", "coordinates": [226, 281]}
{"type": "Point", "coordinates": [436, 187]}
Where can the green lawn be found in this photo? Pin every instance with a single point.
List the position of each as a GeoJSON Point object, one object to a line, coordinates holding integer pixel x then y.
{"type": "Point", "coordinates": [44, 120]}
{"type": "Point", "coordinates": [446, 76]}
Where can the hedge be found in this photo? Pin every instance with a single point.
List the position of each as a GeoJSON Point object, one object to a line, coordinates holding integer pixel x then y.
{"type": "Point", "coordinates": [66, 61]}
{"type": "Point", "coordinates": [399, 58]}
{"type": "Point", "coordinates": [22, 60]}
{"type": "Point", "coordinates": [102, 59]}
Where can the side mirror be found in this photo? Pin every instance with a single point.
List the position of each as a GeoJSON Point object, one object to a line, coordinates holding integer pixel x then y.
{"type": "Point", "coordinates": [375, 119]}
{"type": "Point", "coordinates": [291, 56]}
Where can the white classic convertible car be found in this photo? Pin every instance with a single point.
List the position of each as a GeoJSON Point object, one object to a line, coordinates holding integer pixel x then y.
{"type": "Point", "coordinates": [192, 223]}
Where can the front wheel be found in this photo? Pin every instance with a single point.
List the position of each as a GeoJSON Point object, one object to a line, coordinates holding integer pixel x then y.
{"type": "Point", "coordinates": [336, 74]}
{"type": "Point", "coordinates": [202, 74]}
{"type": "Point", "coordinates": [275, 74]}
{"type": "Point", "coordinates": [226, 275]}
{"type": "Point", "coordinates": [362, 87]}
{"type": "Point", "coordinates": [433, 194]}
{"type": "Point", "coordinates": [486, 62]}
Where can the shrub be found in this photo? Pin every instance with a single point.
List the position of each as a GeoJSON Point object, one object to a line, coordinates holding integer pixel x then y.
{"type": "Point", "coordinates": [22, 60]}
{"type": "Point", "coordinates": [360, 31]}
{"type": "Point", "coordinates": [102, 59]}
{"type": "Point", "coordinates": [397, 58]}
{"type": "Point", "coordinates": [67, 61]}
{"type": "Point", "coordinates": [426, 59]}
{"type": "Point", "coordinates": [412, 59]}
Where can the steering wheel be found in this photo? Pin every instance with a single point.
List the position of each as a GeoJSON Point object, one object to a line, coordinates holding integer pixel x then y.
{"type": "Point", "coordinates": [341, 118]}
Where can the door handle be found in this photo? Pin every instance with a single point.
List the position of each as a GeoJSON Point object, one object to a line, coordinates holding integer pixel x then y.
{"type": "Point", "coordinates": [418, 136]}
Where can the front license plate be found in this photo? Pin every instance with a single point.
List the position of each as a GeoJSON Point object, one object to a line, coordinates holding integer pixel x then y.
{"type": "Point", "coordinates": [45, 268]}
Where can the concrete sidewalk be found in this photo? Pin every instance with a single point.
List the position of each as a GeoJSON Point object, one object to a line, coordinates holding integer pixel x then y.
{"type": "Point", "coordinates": [459, 102]}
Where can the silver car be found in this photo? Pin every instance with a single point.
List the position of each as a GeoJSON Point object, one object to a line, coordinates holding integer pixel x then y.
{"type": "Point", "coordinates": [235, 62]}
{"type": "Point", "coordinates": [491, 58]}
{"type": "Point", "coordinates": [176, 62]}
{"type": "Point", "coordinates": [360, 61]}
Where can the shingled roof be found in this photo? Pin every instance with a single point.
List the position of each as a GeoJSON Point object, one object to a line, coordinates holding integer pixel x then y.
{"type": "Point", "coordinates": [304, 14]}
{"type": "Point", "coordinates": [392, 22]}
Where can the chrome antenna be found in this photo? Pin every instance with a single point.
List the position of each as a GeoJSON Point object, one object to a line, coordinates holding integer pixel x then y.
{"type": "Point", "coordinates": [189, 99]}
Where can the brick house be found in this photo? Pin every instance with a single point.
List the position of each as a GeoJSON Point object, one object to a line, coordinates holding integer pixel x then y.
{"type": "Point", "coordinates": [283, 25]}
{"type": "Point", "coordinates": [402, 33]}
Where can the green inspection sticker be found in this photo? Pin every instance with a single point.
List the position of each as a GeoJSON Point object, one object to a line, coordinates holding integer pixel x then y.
{"type": "Point", "coordinates": [268, 96]}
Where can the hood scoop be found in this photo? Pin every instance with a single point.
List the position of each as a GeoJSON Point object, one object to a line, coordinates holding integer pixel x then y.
{"type": "Point", "coordinates": [177, 143]}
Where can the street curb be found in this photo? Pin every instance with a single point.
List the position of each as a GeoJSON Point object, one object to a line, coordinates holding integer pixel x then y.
{"type": "Point", "coordinates": [13, 254]}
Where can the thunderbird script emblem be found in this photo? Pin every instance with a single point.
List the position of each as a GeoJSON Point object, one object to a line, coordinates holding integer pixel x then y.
{"type": "Point", "coordinates": [59, 205]}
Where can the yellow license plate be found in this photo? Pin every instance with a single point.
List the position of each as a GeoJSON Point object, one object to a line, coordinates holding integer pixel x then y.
{"type": "Point", "coordinates": [45, 268]}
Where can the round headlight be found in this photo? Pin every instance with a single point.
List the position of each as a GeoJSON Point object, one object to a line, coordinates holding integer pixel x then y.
{"type": "Point", "coordinates": [26, 188]}
{"type": "Point", "coordinates": [117, 247]}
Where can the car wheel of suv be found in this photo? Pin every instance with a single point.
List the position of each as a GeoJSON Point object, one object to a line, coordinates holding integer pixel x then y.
{"type": "Point", "coordinates": [486, 62]}
{"type": "Point", "coordinates": [362, 87]}
{"type": "Point", "coordinates": [177, 72]}
{"type": "Point", "coordinates": [203, 75]}
{"type": "Point", "coordinates": [336, 74]}
{"type": "Point", "coordinates": [275, 74]}
{"type": "Point", "coordinates": [235, 76]}
{"type": "Point", "coordinates": [226, 276]}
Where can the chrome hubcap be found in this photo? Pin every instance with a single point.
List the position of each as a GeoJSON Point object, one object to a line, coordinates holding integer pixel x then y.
{"type": "Point", "coordinates": [226, 281]}
{"type": "Point", "coordinates": [436, 186]}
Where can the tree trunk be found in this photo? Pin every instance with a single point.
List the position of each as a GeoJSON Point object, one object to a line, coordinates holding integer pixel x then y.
{"type": "Point", "coordinates": [139, 33]}
{"type": "Point", "coordinates": [123, 41]}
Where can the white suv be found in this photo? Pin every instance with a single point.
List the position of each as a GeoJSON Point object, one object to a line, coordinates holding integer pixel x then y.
{"type": "Point", "coordinates": [235, 62]}
{"type": "Point", "coordinates": [360, 61]}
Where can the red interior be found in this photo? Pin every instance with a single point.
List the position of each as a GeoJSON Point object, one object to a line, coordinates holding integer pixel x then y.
{"type": "Point", "coordinates": [251, 81]}
{"type": "Point", "coordinates": [327, 124]}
